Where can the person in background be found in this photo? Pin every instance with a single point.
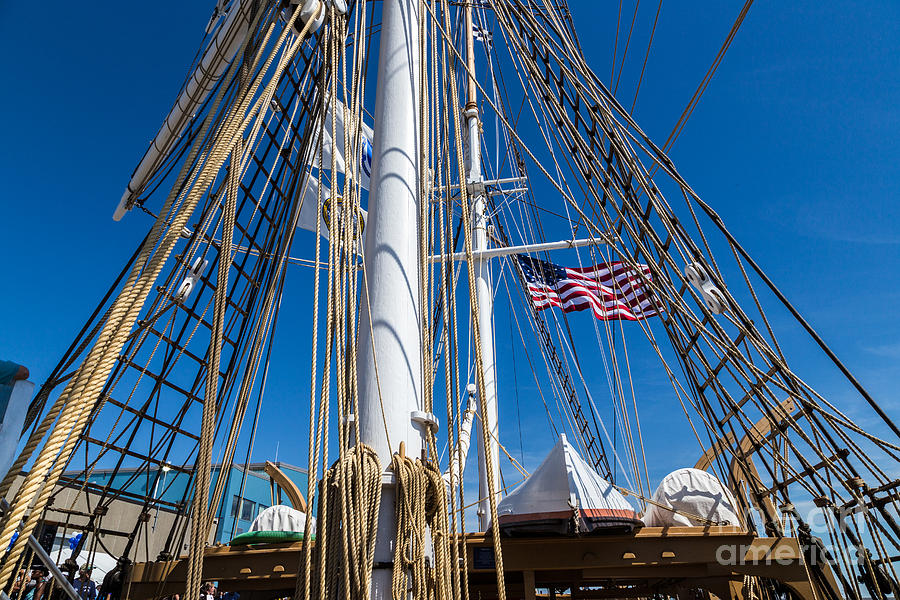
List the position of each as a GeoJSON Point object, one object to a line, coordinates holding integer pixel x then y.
{"type": "Point", "coordinates": [84, 585]}
{"type": "Point", "coordinates": [18, 583]}
{"type": "Point", "coordinates": [69, 568]}
{"type": "Point", "coordinates": [208, 592]}
{"type": "Point", "coordinates": [34, 588]}
{"type": "Point", "coordinates": [114, 581]}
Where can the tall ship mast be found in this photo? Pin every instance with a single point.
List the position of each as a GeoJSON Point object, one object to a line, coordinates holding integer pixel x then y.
{"type": "Point", "coordinates": [343, 149]}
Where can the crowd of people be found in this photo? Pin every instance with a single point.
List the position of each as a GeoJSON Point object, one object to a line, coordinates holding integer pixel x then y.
{"type": "Point", "coordinates": [209, 591]}
{"type": "Point", "coordinates": [37, 584]}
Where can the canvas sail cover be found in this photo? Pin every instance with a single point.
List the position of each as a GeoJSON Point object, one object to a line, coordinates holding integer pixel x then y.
{"type": "Point", "coordinates": [13, 410]}
{"type": "Point", "coordinates": [565, 496]}
{"type": "Point", "coordinates": [282, 518]}
{"type": "Point", "coordinates": [688, 493]}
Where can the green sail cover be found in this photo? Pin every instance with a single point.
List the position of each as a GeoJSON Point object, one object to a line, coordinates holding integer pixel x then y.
{"type": "Point", "coordinates": [268, 537]}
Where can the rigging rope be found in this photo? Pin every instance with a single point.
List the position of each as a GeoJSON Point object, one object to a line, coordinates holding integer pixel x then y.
{"type": "Point", "coordinates": [466, 207]}
{"type": "Point", "coordinates": [637, 89]}
{"type": "Point", "coordinates": [81, 394]}
{"type": "Point", "coordinates": [199, 506]}
{"type": "Point", "coordinates": [704, 83]}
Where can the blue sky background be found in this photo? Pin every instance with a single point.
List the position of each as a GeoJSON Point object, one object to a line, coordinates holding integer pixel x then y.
{"type": "Point", "coordinates": [795, 144]}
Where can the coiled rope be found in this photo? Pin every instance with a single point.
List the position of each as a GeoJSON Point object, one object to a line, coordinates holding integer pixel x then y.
{"type": "Point", "coordinates": [349, 499]}
{"type": "Point", "coordinates": [421, 507]}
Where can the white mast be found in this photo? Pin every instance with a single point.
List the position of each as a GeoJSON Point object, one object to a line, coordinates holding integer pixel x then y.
{"type": "Point", "coordinates": [483, 287]}
{"type": "Point", "coordinates": [390, 357]}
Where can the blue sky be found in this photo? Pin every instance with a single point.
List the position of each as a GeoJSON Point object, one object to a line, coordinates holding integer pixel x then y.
{"type": "Point", "coordinates": [795, 144]}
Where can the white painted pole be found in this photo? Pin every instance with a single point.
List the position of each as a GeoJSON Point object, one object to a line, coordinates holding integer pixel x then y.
{"type": "Point", "coordinates": [390, 358]}
{"type": "Point", "coordinates": [523, 249]}
{"type": "Point", "coordinates": [484, 293]}
{"type": "Point", "coordinates": [458, 458]}
{"type": "Point", "coordinates": [12, 422]}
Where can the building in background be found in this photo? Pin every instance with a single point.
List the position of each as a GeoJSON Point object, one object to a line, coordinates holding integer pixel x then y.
{"type": "Point", "coordinates": [248, 491]}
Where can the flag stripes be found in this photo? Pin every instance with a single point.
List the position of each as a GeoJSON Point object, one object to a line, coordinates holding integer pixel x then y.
{"type": "Point", "coordinates": [612, 291]}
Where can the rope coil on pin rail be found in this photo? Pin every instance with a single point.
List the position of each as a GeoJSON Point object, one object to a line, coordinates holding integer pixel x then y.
{"type": "Point", "coordinates": [349, 500]}
{"type": "Point", "coordinates": [420, 510]}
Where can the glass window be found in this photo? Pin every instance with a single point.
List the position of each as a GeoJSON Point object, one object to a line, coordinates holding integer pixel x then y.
{"type": "Point", "coordinates": [262, 507]}
{"type": "Point", "coordinates": [235, 502]}
{"type": "Point", "coordinates": [247, 510]}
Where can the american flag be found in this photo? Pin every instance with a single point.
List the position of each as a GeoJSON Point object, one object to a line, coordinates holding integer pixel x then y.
{"type": "Point", "coordinates": [614, 291]}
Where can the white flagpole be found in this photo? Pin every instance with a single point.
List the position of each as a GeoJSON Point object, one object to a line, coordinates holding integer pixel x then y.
{"type": "Point", "coordinates": [484, 292]}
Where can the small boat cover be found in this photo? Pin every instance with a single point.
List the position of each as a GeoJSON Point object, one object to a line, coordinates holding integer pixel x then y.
{"type": "Point", "coordinates": [565, 496]}
{"type": "Point", "coordinates": [691, 492]}
{"type": "Point", "coordinates": [281, 518]}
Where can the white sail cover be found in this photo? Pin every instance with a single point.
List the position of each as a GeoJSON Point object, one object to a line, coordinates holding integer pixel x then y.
{"type": "Point", "coordinates": [691, 492]}
{"type": "Point", "coordinates": [565, 496]}
{"type": "Point", "coordinates": [12, 421]}
{"type": "Point", "coordinates": [216, 58]}
{"type": "Point", "coordinates": [281, 518]}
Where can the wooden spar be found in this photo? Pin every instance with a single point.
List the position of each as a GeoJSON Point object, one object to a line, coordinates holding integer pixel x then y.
{"type": "Point", "coordinates": [289, 487]}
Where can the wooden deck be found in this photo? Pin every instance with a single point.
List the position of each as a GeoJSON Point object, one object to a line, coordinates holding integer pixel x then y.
{"type": "Point", "coordinates": [653, 560]}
